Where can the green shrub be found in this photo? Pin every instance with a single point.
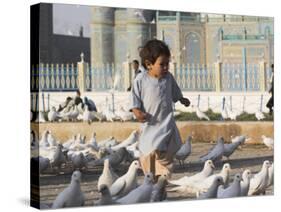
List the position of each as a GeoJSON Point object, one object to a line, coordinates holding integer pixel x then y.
{"type": "Point", "coordinates": [191, 116]}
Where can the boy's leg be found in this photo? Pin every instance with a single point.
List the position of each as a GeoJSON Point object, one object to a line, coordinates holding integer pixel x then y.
{"type": "Point", "coordinates": [148, 163]}
{"type": "Point", "coordinates": [163, 164]}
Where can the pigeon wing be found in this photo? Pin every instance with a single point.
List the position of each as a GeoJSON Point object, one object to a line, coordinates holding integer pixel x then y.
{"type": "Point", "coordinates": [117, 187]}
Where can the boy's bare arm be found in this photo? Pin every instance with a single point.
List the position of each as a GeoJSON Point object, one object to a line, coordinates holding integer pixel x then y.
{"type": "Point", "coordinates": [141, 116]}
{"type": "Point", "coordinates": [185, 101]}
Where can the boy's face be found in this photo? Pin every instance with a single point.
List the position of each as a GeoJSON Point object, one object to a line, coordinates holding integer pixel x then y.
{"type": "Point", "coordinates": [160, 68]}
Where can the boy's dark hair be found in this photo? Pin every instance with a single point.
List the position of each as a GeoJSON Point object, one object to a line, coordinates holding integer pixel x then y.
{"type": "Point", "coordinates": [136, 61]}
{"type": "Point", "coordinates": [152, 50]}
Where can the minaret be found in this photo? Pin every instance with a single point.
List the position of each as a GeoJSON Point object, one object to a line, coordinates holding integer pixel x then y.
{"type": "Point", "coordinates": [138, 30]}
{"type": "Point", "coordinates": [102, 32]}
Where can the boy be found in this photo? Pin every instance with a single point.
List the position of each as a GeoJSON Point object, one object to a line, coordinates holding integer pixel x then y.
{"type": "Point", "coordinates": [152, 95]}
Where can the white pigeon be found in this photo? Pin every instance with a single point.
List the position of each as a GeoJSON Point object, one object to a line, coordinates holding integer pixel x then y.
{"type": "Point", "coordinates": [107, 177]}
{"type": "Point", "coordinates": [41, 118]}
{"type": "Point", "coordinates": [269, 142]}
{"type": "Point", "coordinates": [204, 185]}
{"type": "Point", "coordinates": [212, 190]}
{"type": "Point", "coordinates": [126, 183]}
{"type": "Point", "coordinates": [245, 182]}
{"type": "Point", "coordinates": [53, 115]}
{"type": "Point", "coordinates": [44, 139]}
{"type": "Point", "coordinates": [93, 143]}
{"type": "Point", "coordinates": [259, 181]}
{"type": "Point", "coordinates": [58, 158]}
{"type": "Point", "coordinates": [224, 113]}
{"type": "Point", "coordinates": [141, 193]}
{"type": "Point", "coordinates": [233, 114]}
{"type": "Point", "coordinates": [69, 142]}
{"type": "Point", "coordinates": [184, 151]}
{"type": "Point", "coordinates": [88, 116]}
{"type": "Point", "coordinates": [124, 115]}
{"type": "Point", "coordinates": [133, 137]}
{"type": "Point", "coordinates": [270, 175]}
{"type": "Point", "coordinates": [259, 115]}
{"type": "Point", "coordinates": [188, 180]}
{"type": "Point", "coordinates": [133, 150]}
{"type": "Point", "coordinates": [110, 115]}
{"type": "Point", "coordinates": [239, 138]}
{"type": "Point", "coordinates": [234, 190]}
{"type": "Point", "coordinates": [200, 114]}
{"type": "Point", "coordinates": [51, 139]}
{"type": "Point", "coordinates": [71, 115]}
{"type": "Point", "coordinates": [109, 142]}
{"type": "Point", "coordinates": [100, 116]}
{"type": "Point", "coordinates": [215, 153]}
{"type": "Point", "coordinates": [72, 196]}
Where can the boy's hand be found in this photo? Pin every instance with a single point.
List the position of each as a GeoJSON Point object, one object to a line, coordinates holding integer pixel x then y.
{"type": "Point", "coordinates": [185, 101]}
{"type": "Point", "coordinates": [141, 116]}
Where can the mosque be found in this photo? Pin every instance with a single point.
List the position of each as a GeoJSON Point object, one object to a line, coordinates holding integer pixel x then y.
{"type": "Point", "coordinates": [117, 34]}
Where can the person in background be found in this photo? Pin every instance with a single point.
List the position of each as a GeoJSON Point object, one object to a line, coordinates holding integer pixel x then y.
{"type": "Point", "coordinates": [136, 70]}
{"type": "Point", "coordinates": [90, 103]}
{"type": "Point", "coordinates": [270, 103]}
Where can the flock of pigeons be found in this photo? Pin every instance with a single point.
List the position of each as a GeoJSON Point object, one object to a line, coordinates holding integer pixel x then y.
{"type": "Point", "coordinates": [227, 114]}
{"type": "Point", "coordinates": [79, 113]}
{"type": "Point", "coordinates": [82, 113]}
{"type": "Point", "coordinates": [110, 154]}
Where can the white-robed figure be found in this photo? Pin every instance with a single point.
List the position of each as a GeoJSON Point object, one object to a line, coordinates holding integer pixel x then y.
{"type": "Point", "coordinates": [152, 95]}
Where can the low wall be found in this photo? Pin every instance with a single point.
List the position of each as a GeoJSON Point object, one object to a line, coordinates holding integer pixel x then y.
{"type": "Point", "coordinates": [202, 131]}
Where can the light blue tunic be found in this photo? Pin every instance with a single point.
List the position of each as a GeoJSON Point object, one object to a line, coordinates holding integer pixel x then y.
{"type": "Point", "coordinates": [155, 96]}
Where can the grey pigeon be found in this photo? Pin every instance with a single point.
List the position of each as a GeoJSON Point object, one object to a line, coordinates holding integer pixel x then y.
{"type": "Point", "coordinates": [79, 161]}
{"type": "Point", "coordinates": [58, 158]}
{"type": "Point", "coordinates": [114, 159]}
{"type": "Point", "coordinates": [230, 148]}
{"type": "Point", "coordinates": [216, 153]}
{"type": "Point", "coordinates": [44, 163]}
{"type": "Point", "coordinates": [33, 140]}
{"type": "Point", "coordinates": [213, 190]}
{"type": "Point", "coordinates": [245, 182]}
{"type": "Point", "coordinates": [184, 151]}
{"type": "Point", "coordinates": [126, 183]}
{"type": "Point", "coordinates": [72, 196]}
{"type": "Point", "coordinates": [259, 181]}
{"type": "Point", "coordinates": [108, 176]}
{"type": "Point", "coordinates": [106, 198]}
{"type": "Point", "coordinates": [141, 193]}
{"type": "Point", "coordinates": [159, 190]}
{"type": "Point", "coordinates": [234, 190]}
